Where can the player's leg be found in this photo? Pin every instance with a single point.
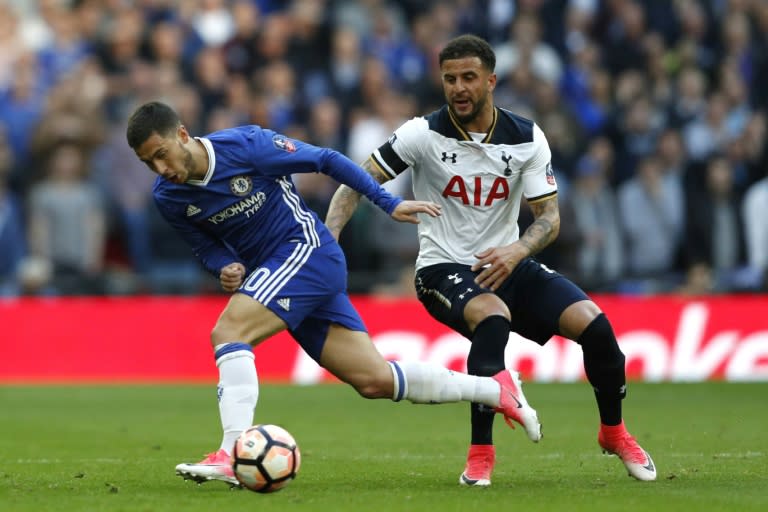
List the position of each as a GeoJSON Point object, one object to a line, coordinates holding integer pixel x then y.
{"type": "Point", "coordinates": [544, 303]}
{"type": "Point", "coordinates": [334, 335]}
{"type": "Point", "coordinates": [604, 366]}
{"type": "Point", "coordinates": [278, 294]}
{"type": "Point", "coordinates": [449, 294]}
{"type": "Point", "coordinates": [351, 356]}
{"type": "Point", "coordinates": [487, 318]}
{"type": "Point", "coordinates": [243, 323]}
{"type": "Point", "coordinates": [584, 323]}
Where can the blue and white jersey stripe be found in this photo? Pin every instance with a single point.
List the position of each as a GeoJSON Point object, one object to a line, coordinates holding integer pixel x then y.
{"type": "Point", "coordinates": [266, 290]}
{"type": "Point", "coordinates": [302, 216]}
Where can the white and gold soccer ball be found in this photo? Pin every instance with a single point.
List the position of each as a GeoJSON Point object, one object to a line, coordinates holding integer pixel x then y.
{"type": "Point", "coordinates": [265, 458]}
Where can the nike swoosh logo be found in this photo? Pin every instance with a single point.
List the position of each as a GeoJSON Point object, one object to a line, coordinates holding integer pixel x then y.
{"type": "Point", "coordinates": [649, 466]}
{"type": "Point", "coordinates": [519, 405]}
{"type": "Point", "coordinates": [468, 480]}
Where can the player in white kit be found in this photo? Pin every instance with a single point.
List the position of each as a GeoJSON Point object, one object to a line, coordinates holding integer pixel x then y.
{"type": "Point", "coordinates": [475, 271]}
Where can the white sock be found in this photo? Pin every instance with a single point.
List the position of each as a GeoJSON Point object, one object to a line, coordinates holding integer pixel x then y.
{"type": "Point", "coordinates": [427, 383]}
{"type": "Point", "coordinates": [238, 390]}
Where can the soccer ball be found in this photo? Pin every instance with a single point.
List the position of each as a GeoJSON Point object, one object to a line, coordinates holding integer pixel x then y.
{"type": "Point", "coordinates": [265, 458]}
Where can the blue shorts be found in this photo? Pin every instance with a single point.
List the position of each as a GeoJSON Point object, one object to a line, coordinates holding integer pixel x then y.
{"type": "Point", "coordinates": [307, 288]}
{"type": "Point", "coordinates": [535, 295]}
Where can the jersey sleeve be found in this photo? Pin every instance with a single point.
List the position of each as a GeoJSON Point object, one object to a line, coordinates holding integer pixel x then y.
{"type": "Point", "coordinates": [537, 174]}
{"type": "Point", "coordinates": [288, 156]}
{"type": "Point", "coordinates": [211, 252]}
{"type": "Point", "coordinates": [402, 149]}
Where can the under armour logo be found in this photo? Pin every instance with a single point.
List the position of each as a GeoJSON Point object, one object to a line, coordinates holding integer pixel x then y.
{"type": "Point", "coordinates": [451, 157]}
{"type": "Point", "coordinates": [469, 290]}
{"type": "Point", "coordinates": [455, 278]}
{"type": "Point", "coordinates": [506, 159]}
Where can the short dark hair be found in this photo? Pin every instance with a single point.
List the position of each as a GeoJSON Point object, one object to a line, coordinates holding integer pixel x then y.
{"type": "Point", "coordinates": [149, 118]}
{"type": "Point", "coordinates": [469, 45]}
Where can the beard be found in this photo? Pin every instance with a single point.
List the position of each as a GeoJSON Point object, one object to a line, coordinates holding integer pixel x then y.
{"type": "Point", "coordinates": [472, 115]}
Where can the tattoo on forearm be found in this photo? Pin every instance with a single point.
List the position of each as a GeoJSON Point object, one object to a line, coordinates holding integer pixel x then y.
{"type": "Point", "coordinates": [374, 171]}
{"type": "Point", "coordinates": [544, 228]}
{"type": "Point", "coordinates": [343, 205]}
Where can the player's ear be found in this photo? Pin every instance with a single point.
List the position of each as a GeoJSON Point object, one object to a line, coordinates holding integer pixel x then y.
{"type": "Point", "coordinates": [491, 82]}
{"type": "Point", "coordinates": [183, 134]}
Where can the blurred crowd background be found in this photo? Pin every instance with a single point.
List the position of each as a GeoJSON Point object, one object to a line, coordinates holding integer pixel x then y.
{"type": "Point", "coordinates": [655, 112]}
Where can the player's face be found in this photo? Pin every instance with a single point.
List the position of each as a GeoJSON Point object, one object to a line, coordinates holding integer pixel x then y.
{"type": "Point", "coordinates": [467, 86]}
{"type": "Point", "coordinates": [168, 156]}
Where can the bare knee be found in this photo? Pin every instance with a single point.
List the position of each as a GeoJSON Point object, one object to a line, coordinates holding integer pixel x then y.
{"type": "Point", "coordinates": [577, 317]}
{"type": "Point", "coordinates": [222, 333]}
{"type": "Point", "coordinates": [352, 358]}
{"type": "Point", "coordinates": [245, 321]}
{"type": "Point", "coordinates": [483, 306]}
{"type": "Point", "coordinates": [373, 386]}
{"type": "Point", "coordinates": [228, 328]}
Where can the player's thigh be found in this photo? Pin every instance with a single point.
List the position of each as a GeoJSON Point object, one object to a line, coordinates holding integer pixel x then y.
{"type": "Point", "coordinates": [538, 298]}
{"type": "Point", "coordinates": [352, 357]}
{"type": "Point", "coordinates": [450, 295]}
{"type": "Point", "coordinates": [245, 320]}
{"type": "Point", "coordinates": [295, 283]}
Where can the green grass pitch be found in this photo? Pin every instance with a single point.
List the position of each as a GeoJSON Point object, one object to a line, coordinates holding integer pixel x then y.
{"type": "Point", "coordinates": [114, 448]}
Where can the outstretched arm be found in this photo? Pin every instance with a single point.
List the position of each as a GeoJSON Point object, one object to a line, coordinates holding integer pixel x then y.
{"type": "Point", "coordinates": [345, 201]}
{"type": "Point", "coordinates": [497, 263]}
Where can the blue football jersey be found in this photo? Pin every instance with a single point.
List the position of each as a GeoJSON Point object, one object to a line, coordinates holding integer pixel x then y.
{"type": "Point", "coordinates": [247, 204]}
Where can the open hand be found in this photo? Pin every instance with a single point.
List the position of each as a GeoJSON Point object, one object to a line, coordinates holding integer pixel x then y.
{"type": "Point", "coordinates": [406, 211]}
{"type": "Point", "coordinates": [496, 264]}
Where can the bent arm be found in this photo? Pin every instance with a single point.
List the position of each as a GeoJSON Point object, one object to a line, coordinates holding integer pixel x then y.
{"type": "Point", "coordinates": [545, 227]}
{"type": "Point", "coordinates": [345, 201]}
{"type": "Point", "coordinates": [497, 263]}
{"type": "Point", "coordinates": [212, 253]}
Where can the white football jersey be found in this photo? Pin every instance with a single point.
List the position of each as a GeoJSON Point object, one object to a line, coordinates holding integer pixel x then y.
{"type": "Point", "coordinates": [478, 184]}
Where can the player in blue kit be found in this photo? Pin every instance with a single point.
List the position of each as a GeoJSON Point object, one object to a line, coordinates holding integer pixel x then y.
{"type": "Point", "coordinates": [230, 195]}
{"type": "Point", "coordinates": [474, 271]}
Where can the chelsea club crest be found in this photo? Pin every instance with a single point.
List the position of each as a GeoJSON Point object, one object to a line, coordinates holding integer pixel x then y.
{"type": "Point", "coordinates": [241, 185]}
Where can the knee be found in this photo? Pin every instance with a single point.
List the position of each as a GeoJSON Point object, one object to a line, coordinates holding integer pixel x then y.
{"type": "Point", "coordinates": [223, 332]}
{"type": "Point", "coordinates": [373, 386]}
{"type": "Point", "coordinates": [598, 329]}
{"type": "Point", "coordinates": [578, 318]}
{"type": "Point", "coordinates": [482, 307]}
{"type": "Point", "coordinates": [233, 326]}
{"type": "Point", "coordinates": [599, 338]}
{"type": "Point", "coordinates": [489, 340]}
